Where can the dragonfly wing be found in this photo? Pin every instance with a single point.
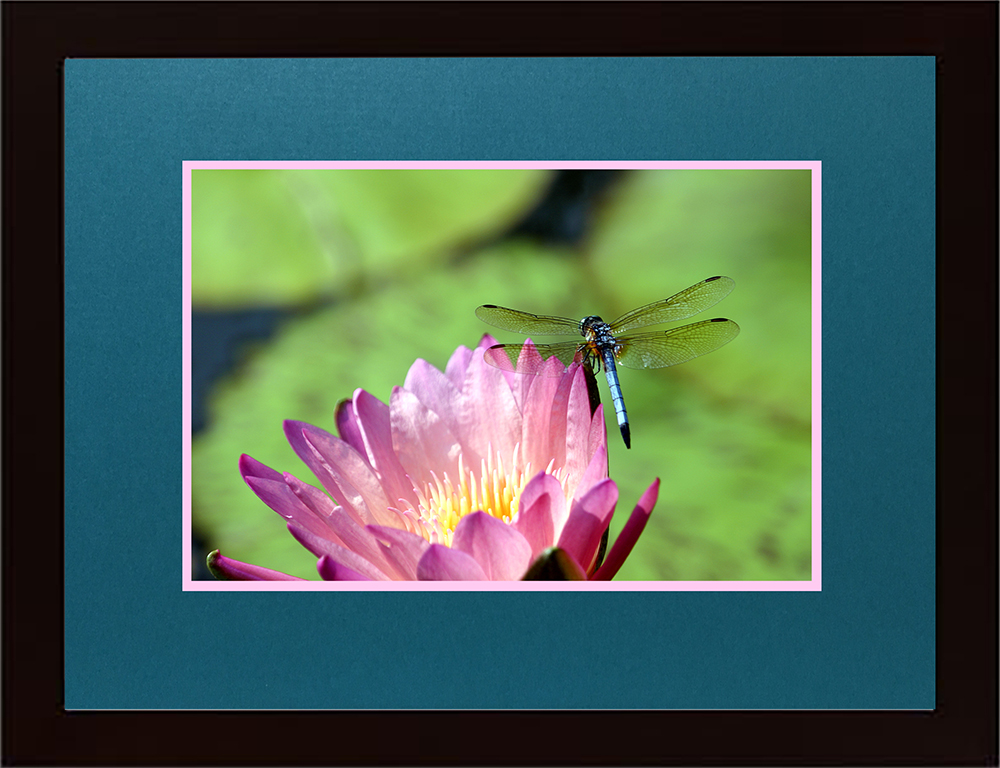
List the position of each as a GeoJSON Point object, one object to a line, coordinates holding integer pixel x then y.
{"type": "Point", "coordinates": [547, 359]}
{"type": "Point", "coordinates": [678, 345]}
{"type": "Point", "coordinates": [525, 322]}
{"type": "Point", "coordinates": [680, 306]}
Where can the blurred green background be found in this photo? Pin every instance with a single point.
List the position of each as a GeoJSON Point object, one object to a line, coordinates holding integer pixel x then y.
{"type": "Point", "coordinates": [307, 284]}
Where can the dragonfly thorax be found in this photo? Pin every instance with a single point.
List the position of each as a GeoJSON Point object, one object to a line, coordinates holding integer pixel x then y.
{"type": "Point", "coordinates": [599, 340]}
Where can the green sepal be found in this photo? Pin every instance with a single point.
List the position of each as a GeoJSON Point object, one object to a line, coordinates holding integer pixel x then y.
{"type": "Point", "coordinates": [211, 561]}
{"type": "Point", "coordinates": [554, 564]}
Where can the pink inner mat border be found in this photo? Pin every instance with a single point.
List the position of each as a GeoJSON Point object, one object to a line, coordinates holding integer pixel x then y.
{"type": "Point", "coordinates": [812, 585]}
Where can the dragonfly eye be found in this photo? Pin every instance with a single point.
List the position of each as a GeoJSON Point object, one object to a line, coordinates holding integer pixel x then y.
{"type": "Point", "coordinates": [588, 323]}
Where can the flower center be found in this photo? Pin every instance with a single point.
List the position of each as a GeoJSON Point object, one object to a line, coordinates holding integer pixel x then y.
{"type": "Point", "coordinates": [444, 501]}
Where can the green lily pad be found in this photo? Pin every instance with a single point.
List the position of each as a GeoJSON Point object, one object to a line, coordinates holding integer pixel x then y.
{"type": "Point", "coordinates": [735, 496]}
{"type": "Point", "coordinates": [288, 237]}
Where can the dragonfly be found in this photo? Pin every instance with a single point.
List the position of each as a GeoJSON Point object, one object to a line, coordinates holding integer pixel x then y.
{"type": "Point", "coordinates": [610, 344]}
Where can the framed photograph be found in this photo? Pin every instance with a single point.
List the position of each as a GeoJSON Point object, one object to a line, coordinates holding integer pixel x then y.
{"type": "Point", "coordinates": [436, 447]}
{"type": "Point", "coordinates": [577, 376]}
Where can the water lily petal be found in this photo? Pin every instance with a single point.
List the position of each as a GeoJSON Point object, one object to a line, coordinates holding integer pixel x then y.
{"type": "Point", "coordinates": [502, 552]}
{"type": "Point", "coordinates": [588, 517]}
{"type": "Point", "coordinates": [362, 540]}
{"type": "Point", "coordinates": [345, 494]}
{"type": "Point", "coordinates": [330, 570]}
{"type": "Point", "coordinates": [557, 417]}
{"type": "Point", "coordinates": [320, 547]}
{"type": "Point", "coordinates": [492, 429]}
{"type": "Point", "coordinates": [599, 435]}
{"type": "Point", "coordinates": [250, 467]}
{"type": "Point", "coordinates": [347, 466]}
{"type": "Point", "coordinates": [283, 500]}
{"type": "Point", "coordinates": [402, 548]}
{"type": "Point", "coordinates": [376, 434]}
{"type": "Point", "coordinates": [520, 384]}
{"type": "Point", "coordinates": [420, 438]}
{"type": "Point", "coordinates": [597, 469]}
{"type": "Point", "coordinates": [541, 512]}
{"type": "Point", "coordinates": [537, 440]}
{"type": "Point", "coordinates": [342, 469]}
{"type": "Point", "coordinates": [629, 535]}
{"type": "Point", "coordinates": [435, 390]}
{"type": "Point", "coordinates": [441, 394]}
{"type": "Point", "coordinates": [459, 362]}
{"type": "Point", "coordinates": [348, 427]}
{"type": "Point", "coordinates": [312, 497]}
{"type": "Point", "coordinates": [578, 420]}
{"type": "Point", "coordinates": [227, 569]}
{"type": "Point", "coordinates": [441, 563]}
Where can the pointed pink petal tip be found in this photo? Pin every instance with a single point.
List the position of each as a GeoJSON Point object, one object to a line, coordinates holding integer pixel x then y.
{"type": "Point", "coordinates": [630, 534]}
{"type": "Point", "coordinates": [542, 511]}
{"type": "Point", "coordinates": [486, 341]}
{"type": "Point", "coordinates": [227, 569]}
{"type": "Point", "coordinates": [250, 467]}
{"type": "Point", "coordinates": [346, 419]}
{"type": "Point", "coordinates": [588, 519]}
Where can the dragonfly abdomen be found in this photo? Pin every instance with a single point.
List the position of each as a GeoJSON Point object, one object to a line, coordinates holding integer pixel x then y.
{"type": "Point", "coordinates": [603, 346]}
{"type": "Point", "coordinates": [611, 373]}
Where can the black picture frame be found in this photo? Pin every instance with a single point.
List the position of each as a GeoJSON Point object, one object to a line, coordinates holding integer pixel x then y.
{"type": "Point", "coordinates": [962, 730]}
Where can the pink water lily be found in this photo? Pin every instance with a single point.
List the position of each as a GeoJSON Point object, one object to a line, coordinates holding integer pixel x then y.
{"type": "Point", "coordinates": [472, 473]}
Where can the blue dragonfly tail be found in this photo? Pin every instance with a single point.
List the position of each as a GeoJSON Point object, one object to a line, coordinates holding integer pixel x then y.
{"type": "Point", "coordinates": [611, 373]}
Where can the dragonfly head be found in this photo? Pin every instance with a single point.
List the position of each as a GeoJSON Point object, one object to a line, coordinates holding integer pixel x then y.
{"type": "Point", "coordinates": [588, 326]}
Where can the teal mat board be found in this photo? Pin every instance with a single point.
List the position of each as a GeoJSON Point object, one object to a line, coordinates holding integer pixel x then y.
{"type": "Point", "coordinates": [133, 639]}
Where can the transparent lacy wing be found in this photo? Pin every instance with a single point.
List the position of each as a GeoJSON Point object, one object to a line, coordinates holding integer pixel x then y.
{"type": "Point", "coordinates": [680, 306]}
{"type": "Point", "coordinates": [678, 345]}
{"type": "Point", "coordinates": [526, 323]}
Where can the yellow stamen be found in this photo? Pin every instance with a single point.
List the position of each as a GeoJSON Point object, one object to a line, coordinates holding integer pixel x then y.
{"type": "Point", "coordinates": [444, 501]}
